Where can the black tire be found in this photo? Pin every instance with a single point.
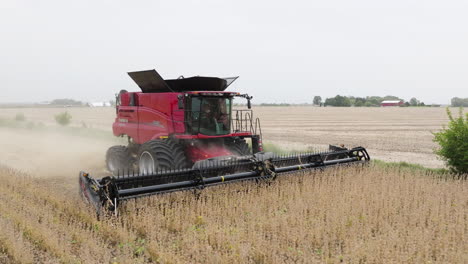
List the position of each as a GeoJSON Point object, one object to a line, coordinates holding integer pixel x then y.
{"type": "Point", "coordinates": [118, 159]}
{"type": "Point", "coordinates": [238, 145]}
{"type": "Point", "coordinates": [157, 155]}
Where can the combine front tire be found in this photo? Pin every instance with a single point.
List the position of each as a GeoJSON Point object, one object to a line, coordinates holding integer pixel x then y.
{"type": "Point", "coordinates": [157, 155]}
{"type": "Point", "coordinates": [238, 146]}
{"type": "Point", "coordinates": [118, 159]}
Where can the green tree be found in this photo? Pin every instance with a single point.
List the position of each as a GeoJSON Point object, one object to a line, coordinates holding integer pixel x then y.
{"type": "Point", "coordinates": [453, 143]}
{"type": "Point", "coordinates": [391, 98]}
{"type": "Point", "coordinates": [330, 101]}
{"type": "Point", "coordinates": [338, 101]}
{"type": "Point", "coordinates": [359, 101]}
{"type": "Point", "coordinates": [414, 102]}
{"type": "Point", "coordinates": [317, 100]}
{"type": "Point", "coordinates": [459, 102]}
{"type": "Point", "coordinates": [373, 100]}
{"type": "Point", "coordinates": [342, 101]}
{"type": "Point", "coordinates": [63, 118]}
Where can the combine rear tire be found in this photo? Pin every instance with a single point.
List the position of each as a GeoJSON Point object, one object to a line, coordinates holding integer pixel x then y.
{"type": "Point", "coordinates": [157, 155]}
{"type": "Point", "coordinates": [118, 159]}
{"type": "Point", "coordinates": [238, 146]}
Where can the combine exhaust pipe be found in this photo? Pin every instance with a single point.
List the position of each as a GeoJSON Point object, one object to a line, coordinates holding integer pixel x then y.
{"type": "Point", "coordinates": [107, 192]}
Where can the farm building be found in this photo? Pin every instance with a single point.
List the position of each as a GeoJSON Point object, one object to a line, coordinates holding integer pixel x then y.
{"type": "Point", "coordinates": [391, 103]}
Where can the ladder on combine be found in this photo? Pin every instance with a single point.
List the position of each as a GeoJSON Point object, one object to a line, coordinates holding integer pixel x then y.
{"type": "Point", "coordinates": [242, 121]}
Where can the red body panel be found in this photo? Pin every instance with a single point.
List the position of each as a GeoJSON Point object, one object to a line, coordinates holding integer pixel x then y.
{"type": "Point", "coordinates": [126, 122]}
{"type": "Point", "coordinates": [155, 122]}
{"type": "Point", "coordinates": [148, 116]}
{"type": "Point", "coordinates": [154, 115]}
{"type": "Point", "coordinates": [196, 152]}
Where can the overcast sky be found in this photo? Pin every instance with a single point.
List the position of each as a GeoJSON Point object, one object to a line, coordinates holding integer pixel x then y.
{"type": "Point", "coordinates": [284, 51]}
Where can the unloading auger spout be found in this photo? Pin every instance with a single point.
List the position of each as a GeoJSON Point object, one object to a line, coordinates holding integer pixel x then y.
{"type": "Point", "coordinates": [106, 193]}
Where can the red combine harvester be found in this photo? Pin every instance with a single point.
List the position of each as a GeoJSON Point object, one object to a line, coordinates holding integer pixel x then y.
{"type": "Point", "coordinates": [173, 124]}
{"type": "Point", "coordinates": [183, 134]}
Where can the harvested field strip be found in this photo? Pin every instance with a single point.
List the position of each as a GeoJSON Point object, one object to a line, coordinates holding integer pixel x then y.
{"type": "Point", "coordinates": [397, 134]}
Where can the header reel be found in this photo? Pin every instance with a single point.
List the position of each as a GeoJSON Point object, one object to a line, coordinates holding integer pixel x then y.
{"type": "Point", "coordinates": [106, 193]}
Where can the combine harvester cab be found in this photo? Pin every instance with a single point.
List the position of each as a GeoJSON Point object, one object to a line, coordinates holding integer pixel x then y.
{"type": "Point", "coordinates": [183, 134]}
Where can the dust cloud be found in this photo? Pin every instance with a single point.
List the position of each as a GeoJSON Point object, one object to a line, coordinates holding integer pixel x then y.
{"type": "Point", "coordinates": [52, 154]}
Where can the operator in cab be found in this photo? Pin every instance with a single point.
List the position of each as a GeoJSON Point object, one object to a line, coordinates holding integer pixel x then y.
{"type": "Point", "coordinates": [214, 117]}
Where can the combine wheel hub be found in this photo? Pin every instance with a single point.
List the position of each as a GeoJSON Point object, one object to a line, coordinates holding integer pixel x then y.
{"type": "Point", "coordinates": [146, 163]}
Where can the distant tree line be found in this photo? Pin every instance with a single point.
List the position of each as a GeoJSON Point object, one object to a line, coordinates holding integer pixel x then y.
{"type": "Point", "coordinates": [459, 102]}
{"type": "Point", "coordinates": [66, 102]}
{"type": "Point", "coordinates": [368, 101]}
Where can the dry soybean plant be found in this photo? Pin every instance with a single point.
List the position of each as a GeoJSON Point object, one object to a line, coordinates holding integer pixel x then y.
{"type": "Point", "coordinates": [349, 214]}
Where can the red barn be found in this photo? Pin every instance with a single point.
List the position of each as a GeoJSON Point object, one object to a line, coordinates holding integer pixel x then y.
{"type": "Point", "coordinates": [391, 103]}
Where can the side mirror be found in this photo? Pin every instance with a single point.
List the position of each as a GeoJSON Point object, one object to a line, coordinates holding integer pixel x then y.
{"type": "Point", "coordinates": [246, 96]}
{"type": "Point", "coordinates": [180, 101]}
